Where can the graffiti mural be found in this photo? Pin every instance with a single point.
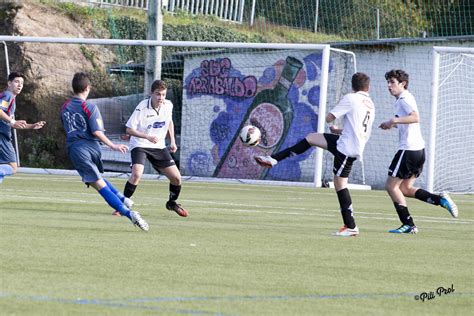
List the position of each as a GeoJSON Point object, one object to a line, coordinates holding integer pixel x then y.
{"type": "Point", "coordinates": [222, 94]}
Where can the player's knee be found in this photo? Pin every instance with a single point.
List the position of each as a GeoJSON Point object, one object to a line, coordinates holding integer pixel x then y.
{"type": "Point", "coordinates": [407, 190]}
{"type": "Point", "coordinates": [135, 178]}
{"type": "Point", "coordinates": [175, 180]}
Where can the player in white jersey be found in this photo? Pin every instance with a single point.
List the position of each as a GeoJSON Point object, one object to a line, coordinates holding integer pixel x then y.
{"type": "Point", "coordinates": [407, 164]}
{"type": "Point", "coordinates": [148, 127]}
{"type": "Point", "coordinates": [347, 144]}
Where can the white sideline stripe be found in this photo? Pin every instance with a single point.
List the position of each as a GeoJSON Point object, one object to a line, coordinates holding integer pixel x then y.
{"type": "Point", "coordinates": [197, 202]}
{"type": "Point", "coordinates": [209, 185]}
{"type": "Point", "coordinates": [311, 211]}
{"type": "Point", "coordinates": [186, 178]}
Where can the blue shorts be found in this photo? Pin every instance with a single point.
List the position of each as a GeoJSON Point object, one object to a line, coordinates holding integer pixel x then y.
{"type": "Point", "coordinates": [7, 152]}
{"type": "Point", "coordinates": [86, 156]}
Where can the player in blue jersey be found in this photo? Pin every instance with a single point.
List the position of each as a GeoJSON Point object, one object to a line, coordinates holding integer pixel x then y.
{"type": "Point", "coordinates": [84, 129]}
{"type": "Point", "coordinates": [148, 127]}
{"type": "Point", "coordinates": [8, 163]}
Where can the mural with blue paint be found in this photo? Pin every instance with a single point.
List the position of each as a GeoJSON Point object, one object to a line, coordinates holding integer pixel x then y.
{"type": "Point", "coordinates": [282, 102]}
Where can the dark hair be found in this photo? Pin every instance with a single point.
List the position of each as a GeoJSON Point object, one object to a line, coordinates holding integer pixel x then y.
{"type": "Point", "coordinates": [14, 75]}
{"type": "Point", "coordinates": [158, 85]}
{"type": "Point", "coordinates": [80, 82]}
{"type": "Point", "coordinates": [398, 74]}
{"type": "Point", "coordinates": [360, 82]}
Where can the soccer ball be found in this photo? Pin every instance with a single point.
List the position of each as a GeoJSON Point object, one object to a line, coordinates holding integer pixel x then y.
{"type": "Point", "coordinates": [250, 135]}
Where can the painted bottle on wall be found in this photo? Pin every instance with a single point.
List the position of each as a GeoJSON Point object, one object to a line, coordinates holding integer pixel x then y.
{"type": "Point", "coordinates": [272, 113]}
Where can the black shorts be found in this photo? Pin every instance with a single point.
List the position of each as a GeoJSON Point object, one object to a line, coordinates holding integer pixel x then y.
{"type": "Point", "coordinates": [159, 158]}
{"type": "Point", "coordinates": [342, 164]}
{"type": "Point", "coordinates": [407, 163]}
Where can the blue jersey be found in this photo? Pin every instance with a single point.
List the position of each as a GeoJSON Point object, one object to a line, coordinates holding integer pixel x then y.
{"type": "Point", "coordinates": [7, 105]}
{"type": "Point", "coordinates": [80, 119]}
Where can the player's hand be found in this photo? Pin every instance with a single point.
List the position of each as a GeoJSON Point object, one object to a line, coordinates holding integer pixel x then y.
{"type": "Point", "coordinates": [38, 125]}
{"type": "Point", "coordinates": [20, 124]}
{"type": "Point", "coordinates": [335, 130]}
{"type": "Point", "coordinates": [152, 139]}
{"type": "Point", "coordinates": [173, 147]}
{"type": "Point", "coordinates": [387, 125]}
{"type": "Point", "coordinates": [122, 148]}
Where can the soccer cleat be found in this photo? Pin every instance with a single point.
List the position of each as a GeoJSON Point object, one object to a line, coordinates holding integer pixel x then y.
{"type": "Point", "coordinates": [347, 232]}
{"type": "Point", "coordinates": [404, 229]}
{"type": "Point", "coordinates": [138, 221]}
{"type": "Point", "coordinates": [175, 207]}
{"type": "Point", "coordinates": [449, 204]}
{"type": "Point", "coordinates": [128, 202]}
{"type": "Point", "coordinates": [265, 161]}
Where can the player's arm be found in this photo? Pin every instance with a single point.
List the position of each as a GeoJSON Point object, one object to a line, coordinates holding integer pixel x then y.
{"type": "Point", "coordinates": [20, 124]}
{"type": "Point", "coordinates": [409, 119]}
{"type": "Point", "coordinates": [104, 139]}
{"type": "Point", "coordinates": [173, 146]}
{"type": "Point", "coordinates": [133, 132]}
{"type": "Point", "coordinates": [36, 125]}
{"type": "Point", "coordinates": [333, 128]}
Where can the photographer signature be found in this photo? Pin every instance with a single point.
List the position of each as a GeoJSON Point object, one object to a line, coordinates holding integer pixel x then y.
{"type": "Point", "coordinates": [440, 291]}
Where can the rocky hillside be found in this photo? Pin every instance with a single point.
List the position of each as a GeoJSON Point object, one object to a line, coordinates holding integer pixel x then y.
{"type": "Point", "coordinates": [48, 69]}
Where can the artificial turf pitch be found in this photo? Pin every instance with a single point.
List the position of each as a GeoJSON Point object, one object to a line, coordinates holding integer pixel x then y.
{"type": "Point", "coordinates": [244, 250]}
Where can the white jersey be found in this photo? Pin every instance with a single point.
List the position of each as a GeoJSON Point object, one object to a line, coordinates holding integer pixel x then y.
{"type": "Point", "coordinates": [150, 121]}
{"type": "Point", "coordinates": [409, 135]}
{"type": "Point", "coordinates": [359, 113]}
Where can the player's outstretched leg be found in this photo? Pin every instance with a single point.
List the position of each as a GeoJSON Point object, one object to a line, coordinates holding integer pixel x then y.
{"type": "Point", "coordinates": [442, 199]}
{"type": "Point", "coordinates": [128, 202]}
{"type": "Point", "coordinates": [265, 161]}
{"type": "Point", "coordinates": [138, 221]}
{"type": "Point", "coordinates": [271, 161]}
{"type": "Point", "coordinates": [119, 206]}
{"type": "Point", "coordinates": [449, 204]}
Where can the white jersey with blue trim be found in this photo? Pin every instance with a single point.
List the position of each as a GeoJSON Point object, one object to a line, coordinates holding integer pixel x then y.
{"type": "Point", "coordinates": [150, 121]}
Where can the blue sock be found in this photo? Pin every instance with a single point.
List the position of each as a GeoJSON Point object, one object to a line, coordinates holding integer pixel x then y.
{"type": "Point", "coordinates": [114, 190]}
{"type": "Point", "coordinates": [7, 170]}
{"type": "Point", "coordinates": [1, 176]}
{"type": "Point", "coordinates": [114, 202]}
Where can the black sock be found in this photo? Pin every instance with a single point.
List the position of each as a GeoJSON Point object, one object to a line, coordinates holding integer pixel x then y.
{"type": "Point", "coordinates": [345, 202]}
{"type": "Point", "coordinates": [427, 197]}
{"type": "Point", "coordinates": [129, 189]}
{"type": "Point", "coordinates": [174, 192]}
{"type": "Point", "coordinates": [403, 214]}
{"type": "Point", "coordinates": [297, 149]}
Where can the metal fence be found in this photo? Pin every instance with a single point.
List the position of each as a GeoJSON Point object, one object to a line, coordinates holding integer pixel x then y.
{"type": "Point", "coordinates": [230, 10]}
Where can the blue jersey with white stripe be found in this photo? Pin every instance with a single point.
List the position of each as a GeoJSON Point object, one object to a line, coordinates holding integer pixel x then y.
{"type": "Point", "coordinates": [80, 119]}
{"type": "Point", "coordinates": [7, 105]}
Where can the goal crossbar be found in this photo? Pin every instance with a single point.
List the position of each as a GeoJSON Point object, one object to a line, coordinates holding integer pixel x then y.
{"type": "Point", "coordinates": [97, 41]}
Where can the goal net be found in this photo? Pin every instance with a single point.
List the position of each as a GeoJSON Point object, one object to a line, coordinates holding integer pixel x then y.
{"type": "Point", "coordinates": [216, 89]}
{"type": "Point", "coordinates": [451, 145]}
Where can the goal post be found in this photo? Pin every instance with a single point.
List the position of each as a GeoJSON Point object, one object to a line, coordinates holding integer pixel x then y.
{"type": "Point", "coordinates": [312, 77]}
{"type": "Point", "coordinates": [451, 142]}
